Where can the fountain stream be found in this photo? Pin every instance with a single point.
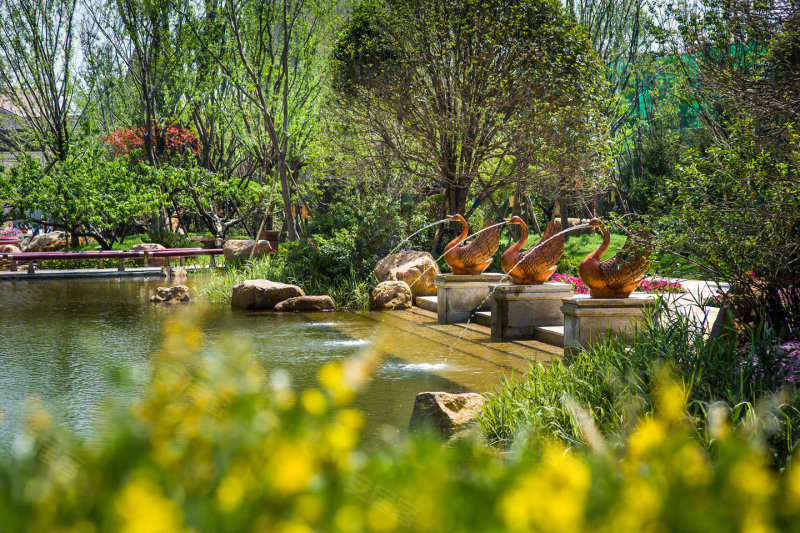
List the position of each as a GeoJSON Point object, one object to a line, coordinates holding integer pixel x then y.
{"type": "Point", "coordinates": [394, 250]}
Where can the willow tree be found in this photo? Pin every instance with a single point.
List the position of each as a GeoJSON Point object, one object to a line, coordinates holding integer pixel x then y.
{"type": "Point", "coordinates": [37, 74]}
{"type": "Point", "coordinates": [463, 93]}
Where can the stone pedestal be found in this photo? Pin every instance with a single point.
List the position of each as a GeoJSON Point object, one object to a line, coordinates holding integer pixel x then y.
{"type": "Point", "coordinates": [458, 296]}
{"type": "Point", "coordinates": [517, 310]}
{"type": "Point", "coordinates": [587, 319]}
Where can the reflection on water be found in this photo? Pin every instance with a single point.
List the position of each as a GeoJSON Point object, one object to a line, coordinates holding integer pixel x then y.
{"type": "Point", "coordinates": [64, 341]}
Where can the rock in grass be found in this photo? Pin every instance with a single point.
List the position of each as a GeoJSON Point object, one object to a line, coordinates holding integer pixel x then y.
{"type": "Point", "coordinates": [262, 294]}
{"type": "Point", "coordinates": [445, 412]}
{"type": "Point", "coordinates": [409, 266]}
{"type": "Point", "coordinates": [48, 242]}
{"type": "Point", "coordinates": [235, 250]}
{"type": "Point", "coordinates": [307, 303]}
{"type": "Point", "coordinates": [171, 295]}
{"type": "Point", "coordinates": [391, 295]}
{"type": "Point", "coordinates": [150, 247]}
{"type": "Point", "coordinates": [5, 264]}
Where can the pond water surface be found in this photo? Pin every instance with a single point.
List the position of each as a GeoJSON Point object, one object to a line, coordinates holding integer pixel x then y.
{"type": "Point", "coordinates": [61, 341]}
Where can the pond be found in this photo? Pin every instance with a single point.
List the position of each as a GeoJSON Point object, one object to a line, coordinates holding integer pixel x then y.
{"type": "Point", "coordinates": [62, 341]}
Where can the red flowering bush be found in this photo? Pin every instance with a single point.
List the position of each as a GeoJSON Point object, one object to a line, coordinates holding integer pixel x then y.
{"type": "Point", "coordinates": [128, 141]}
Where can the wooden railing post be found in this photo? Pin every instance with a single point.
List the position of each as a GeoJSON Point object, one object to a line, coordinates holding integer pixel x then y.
{"type": "Point", "coordinates": [13, 266]}
{"type": "Point", "coordinates": [30, 267]}
{"type": "Point", "coordinates": [121, 266]}
{"type": "Point", "coordinates": [100, 264]}
{"type": "Point", "coordinates": [146, 259]}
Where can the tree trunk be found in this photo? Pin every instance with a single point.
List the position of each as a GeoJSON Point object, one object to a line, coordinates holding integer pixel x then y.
{"type": "Point", "coordinates": [562, 203]}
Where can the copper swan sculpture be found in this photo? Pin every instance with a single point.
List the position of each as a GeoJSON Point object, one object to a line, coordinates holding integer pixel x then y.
{"type": "Point", "coordinates": [475, 257]}
{"type": "Point", "coordinates": [619, 276]}
{"type": "Point", "coordinates": [537, 264]}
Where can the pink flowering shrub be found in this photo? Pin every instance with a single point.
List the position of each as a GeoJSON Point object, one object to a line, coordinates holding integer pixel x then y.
{"type": "Point", "coordinates": [651, 286]}
{"type": "Point", "coordinates": [10, 231]}
{"type": "Point", "coordinates": [786, 365]}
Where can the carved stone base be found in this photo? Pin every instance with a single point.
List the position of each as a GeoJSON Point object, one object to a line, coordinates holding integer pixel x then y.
{"type": "Point", "coordinates": [588, 319]}
{"type": "Point", "coordinates": [458, 296]}
{"type": "Point", "coordinates": [518, 309]}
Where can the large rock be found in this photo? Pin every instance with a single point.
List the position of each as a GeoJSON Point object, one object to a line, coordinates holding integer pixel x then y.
{"type": "Point", "coordinates": [152, 261]}
{"type": "Point", "coordinates": [48, 242]}
{"type": "Point", "coordinates": [262, 294]}
{"type": "Point", "coordinates": [171, 295]}
{"type": "Point", "coordinates": [5, 264]}
{"type": "Point", "coordinates": [171, 272]}
{"type": "Point", "coordinates": [239, 250]}
{"type": "Point", "coordinates": [203, 241]}
{"type": "Point", "coordinates": [307, 303]}
{"type": "Point", "coordinates": [391, 295]}
{"type": "Point", "coordinates": [445, 412]}
{"type": "Point", "coordinates": [408, 266]}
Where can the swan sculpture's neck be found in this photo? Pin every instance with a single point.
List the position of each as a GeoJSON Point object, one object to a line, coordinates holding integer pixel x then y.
{"type": "Point", "coordinates": [601, 250]}
{"type": "Point", "coordinates": [452, 246]}
{"type": "Point", "coordinates": [517, 246]}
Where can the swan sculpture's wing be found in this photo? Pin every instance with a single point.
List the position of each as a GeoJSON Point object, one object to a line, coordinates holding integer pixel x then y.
{"type": "Point", "coordinates": [544, 256]}
{"type": "Point", "coordinates": [482, 248]}
{"type": "Point", "coordinates": [629, 264]}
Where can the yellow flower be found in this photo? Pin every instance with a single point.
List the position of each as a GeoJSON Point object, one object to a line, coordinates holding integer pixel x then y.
{"type": "Point", "coordinates": [551, 497]}
{"type": "Point", "coordinates": [382, 516]}
{"type": "Point", "coordinates": [793, 488]}
{"type": "Point", "coordinates": [647, 436]}
{"type": "Point", "coordinates": [142, 508]}
{"type": "Point", "coordinates": [314, 402]}
{"type": "Point", "coordinates": [671, 400]}
{"type": "Point", "coordinates": [290, 467]}
{"type": "Point", "coordinates": [230, 492]}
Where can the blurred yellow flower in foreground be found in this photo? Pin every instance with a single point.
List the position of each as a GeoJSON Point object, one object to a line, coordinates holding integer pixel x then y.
{"type": "Point", "coordinates": [142, 508]}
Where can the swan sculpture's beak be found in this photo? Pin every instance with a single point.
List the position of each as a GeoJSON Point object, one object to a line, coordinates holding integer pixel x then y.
{"type": "Point", "coordinates": [595, 223]}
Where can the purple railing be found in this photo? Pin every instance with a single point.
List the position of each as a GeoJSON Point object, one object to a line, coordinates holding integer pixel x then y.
{"type": "Point", "coordinates": [32, 257]}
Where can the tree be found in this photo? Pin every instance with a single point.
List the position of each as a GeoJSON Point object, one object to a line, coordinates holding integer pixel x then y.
{"type": "Point", "coordinates": [463, 92]}
{"type": "Point", "coordinates": [269, 53]}
{"type": "Point", "coordinates": [198, 189]}
{"type": "Point", "coordinates": [85, 195]}
{"type": "Point", "coordinates": [737, 212]}
{"type": "Point", "coordinates": [37, 74]}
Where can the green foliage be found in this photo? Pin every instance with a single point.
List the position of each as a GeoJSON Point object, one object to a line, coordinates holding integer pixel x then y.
{"type": "Point", "coordinates": [736, 218]}
{"type": "Point", "coordinates": [216, 444]}
{"type": "Point", "coordinates": [612, 382]}
{"type": "Point", "coordinates": [86, 193]}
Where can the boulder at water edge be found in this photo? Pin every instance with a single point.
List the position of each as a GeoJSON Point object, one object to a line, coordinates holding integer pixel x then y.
{"type": "Point", "coordinates": [239, 249]}
{"type": "Point", "coordinates": [171, 272]}
{"type": "Point", "coordinates": [48, 242]}
{"type": "Point", "coordinates": [307, 303]}
{"type": "Point", "coordinates": [262, 294]}
{"type": "Point", "coordinates": [171, 295]}
{"type": "Point", "coordinates": [408, 266]}
{"type": "Point", "coordinates": [391, 295]}
{"type": "Point", "coordinates": [445, 412]}
{"type": "Point", "coordinates": [5, 264]}
{"type": "Point", "coordinates": [152, 261]}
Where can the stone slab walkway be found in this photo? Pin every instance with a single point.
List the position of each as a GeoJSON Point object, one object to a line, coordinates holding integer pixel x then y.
{"type": "Point", "coordinates": [463, 354]}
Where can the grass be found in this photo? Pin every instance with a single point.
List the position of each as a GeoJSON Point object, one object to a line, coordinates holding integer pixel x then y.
{"type": "Point", "coordinates": [613, 382]}
{"type": "Point", "coordinates": [348, 293]}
